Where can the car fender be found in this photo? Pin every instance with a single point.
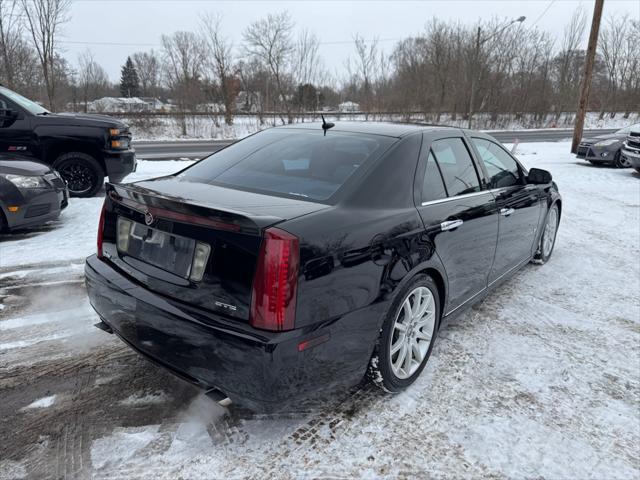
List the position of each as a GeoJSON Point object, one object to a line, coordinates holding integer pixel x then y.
{"type": "Point", "coordinates": [52, 143]}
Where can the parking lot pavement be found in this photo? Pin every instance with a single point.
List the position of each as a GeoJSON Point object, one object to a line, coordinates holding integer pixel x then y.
{"type": "Point", "coordinates": [540, 380]}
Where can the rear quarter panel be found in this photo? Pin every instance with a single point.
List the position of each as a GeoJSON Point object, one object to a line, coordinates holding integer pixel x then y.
{"type": "Point", "coordinates": [351, 259]}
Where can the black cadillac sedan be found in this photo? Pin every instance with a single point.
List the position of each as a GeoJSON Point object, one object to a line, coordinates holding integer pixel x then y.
{"type": "Point", "coordinates": [303, 258]}
{"type": "Point", "coordinates": [31, 193]}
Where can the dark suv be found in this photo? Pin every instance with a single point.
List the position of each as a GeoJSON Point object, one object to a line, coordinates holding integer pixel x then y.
{"type": "Point", "coordinates": [82, 148]}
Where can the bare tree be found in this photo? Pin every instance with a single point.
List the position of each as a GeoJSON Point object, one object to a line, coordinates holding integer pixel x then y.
{"type": "Point", "coordinates": [307, 70]}
{"type": "Point", "coordinates": [253, 77]}
{"type": "Point", "coordinates": [44, 19]}
{"type": "Point", "coordinates": [148, 67]}
{"type": "Point", "coordinates": [439, 52]}
{"type": "Point", "coordinates": [184, 63]}
{"type": "Point", "coordinates": [632, 81]}
{"type": "Point", "coordinates": [220, 62]}
{"type": "Point", "coordinates": [9, 39]}
{"type": "Point", "coordinates": [270, 41]}
{"type": "Point", "coordinates": [92, 79]}
{"type": "Point", "coordinates": [617, 59]}
{"type": "Point", "coordinates": [18, 62]}
{"type": "Point", "coordinates": [567, 70]}
{"type": "Point", "coordinates": [365, 67]}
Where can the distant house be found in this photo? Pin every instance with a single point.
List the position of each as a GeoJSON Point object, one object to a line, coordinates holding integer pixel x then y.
{"type": "Point", "coordinates": [211, 107]}
{"type": "Point", "coordinates": [126, 105]}
{"type": "Point", "coordinates": [156, 105]}
{"type": "Point", "coordinates": [248, 102]}
{"type": "Point", "coordinates": [349, 106]}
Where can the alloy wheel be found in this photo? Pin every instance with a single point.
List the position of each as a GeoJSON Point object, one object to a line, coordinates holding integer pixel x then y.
{"type": "Point", "coordinates": [80, 178]}
{"type": "Point", "coordinates": [412, 332]}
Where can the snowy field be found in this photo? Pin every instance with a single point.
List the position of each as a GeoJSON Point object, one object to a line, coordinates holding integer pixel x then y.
{"type": "Point", "coordinates": [213, 127]}
{"type": "Point", "coordinates": [541, 380]}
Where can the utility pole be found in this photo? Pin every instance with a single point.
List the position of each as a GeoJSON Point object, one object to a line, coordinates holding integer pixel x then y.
{"type": "Point", "coordinates": [585, 85]}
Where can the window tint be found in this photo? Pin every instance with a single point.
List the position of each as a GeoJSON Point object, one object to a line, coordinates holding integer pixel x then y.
{"type": "Point", "coordinates": [458, 171]}
{"type": "Point", "coordinates": [502, 168]}
{"type": "Point", "coordinates": [432, 185]}
{"type": "Point", "coordinates": [300, 163]}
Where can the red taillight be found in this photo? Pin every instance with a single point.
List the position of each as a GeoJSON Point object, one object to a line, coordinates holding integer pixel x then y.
{"type": "Point", "coordinates": [273, 300]}
{"type": "Point", "coordinates": [101, 230]}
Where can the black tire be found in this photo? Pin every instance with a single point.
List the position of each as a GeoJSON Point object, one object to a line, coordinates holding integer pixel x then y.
{"type": "Point", "coordinates": [619, 161]}
{"type": "Point", "coordinates": [3, 223]}
{"type": "Point", "coordinates": [380, 368]}
{"type": "Point", "coordinates": [83, 174]}
{"type": "Point", "coordinates": [541, 256]}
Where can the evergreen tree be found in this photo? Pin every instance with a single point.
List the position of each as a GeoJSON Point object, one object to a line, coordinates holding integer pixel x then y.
{"type": "Point", "coordinates": [129, 82]}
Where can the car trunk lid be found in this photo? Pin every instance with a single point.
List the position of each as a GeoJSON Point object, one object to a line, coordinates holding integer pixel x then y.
{"type": "Point", "coordinates": [168, 222]}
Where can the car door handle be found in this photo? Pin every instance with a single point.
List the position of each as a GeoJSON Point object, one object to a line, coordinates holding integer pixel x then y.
{"type": "Point", "coordinates": [505, 212]}
{"type": "Point", "coordinates": [450, 225]}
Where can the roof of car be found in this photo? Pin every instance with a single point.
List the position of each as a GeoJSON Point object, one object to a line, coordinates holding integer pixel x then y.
{"type": "Point", "coordinates": [390, 129]}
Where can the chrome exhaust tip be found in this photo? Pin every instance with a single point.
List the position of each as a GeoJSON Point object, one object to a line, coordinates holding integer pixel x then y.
{"type": "Point", "coordinates": [219, 397]}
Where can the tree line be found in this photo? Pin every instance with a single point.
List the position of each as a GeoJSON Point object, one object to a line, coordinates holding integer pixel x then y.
{"type": "Point", "coordinates": [491, 67]}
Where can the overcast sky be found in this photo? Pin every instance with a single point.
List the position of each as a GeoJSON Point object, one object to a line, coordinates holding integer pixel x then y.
{"type": "Point", "coordinates": [113, 29]}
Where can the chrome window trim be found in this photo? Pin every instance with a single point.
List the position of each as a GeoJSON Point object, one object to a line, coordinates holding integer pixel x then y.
{"type": "Point", "coordinates": [456, 197]}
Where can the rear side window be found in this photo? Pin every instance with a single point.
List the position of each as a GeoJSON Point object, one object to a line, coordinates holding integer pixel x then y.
{"type": "Point", "coordinates": [299, 163]}
{"type": "Point", "coordinates": [503, 170]}
{"type": "Point", "coordinates": [459, 173]}
{"type": "Point", "coordinates": [433, 185]}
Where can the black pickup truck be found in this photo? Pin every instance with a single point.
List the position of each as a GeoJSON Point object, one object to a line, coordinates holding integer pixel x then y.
{"type": "Point", "coordinates": [82, 148]}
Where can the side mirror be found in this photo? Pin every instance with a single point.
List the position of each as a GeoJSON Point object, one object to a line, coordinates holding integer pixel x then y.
{"type": "Point", "coordinates": [537, 176]}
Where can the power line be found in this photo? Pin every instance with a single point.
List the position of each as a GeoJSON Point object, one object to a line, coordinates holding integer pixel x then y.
{"type": "Point", "coordinates": [543, 13]}
{"type": "Point", "coordinates": [127, 44]}
{"type": "Point", "coordinates": [116, 44]}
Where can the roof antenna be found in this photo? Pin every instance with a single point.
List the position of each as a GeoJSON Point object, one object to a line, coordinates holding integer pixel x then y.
{"type": "Point", "coordinates": [326, 125]}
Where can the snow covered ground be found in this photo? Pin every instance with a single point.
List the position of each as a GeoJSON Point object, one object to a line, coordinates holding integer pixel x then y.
{"type": "Point", "coordinates": [542, 380]}
{"type": "Point", "coordinates": [208, 127]}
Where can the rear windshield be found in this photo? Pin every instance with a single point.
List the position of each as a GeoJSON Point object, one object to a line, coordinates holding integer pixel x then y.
{"type": "Point", "coordinates": [298, 163]}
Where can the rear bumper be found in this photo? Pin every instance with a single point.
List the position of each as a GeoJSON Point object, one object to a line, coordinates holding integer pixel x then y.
{"type": "Point", "coordinates": [264, 371]}
{"type": "Point", "coordinates": [119, 163]}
